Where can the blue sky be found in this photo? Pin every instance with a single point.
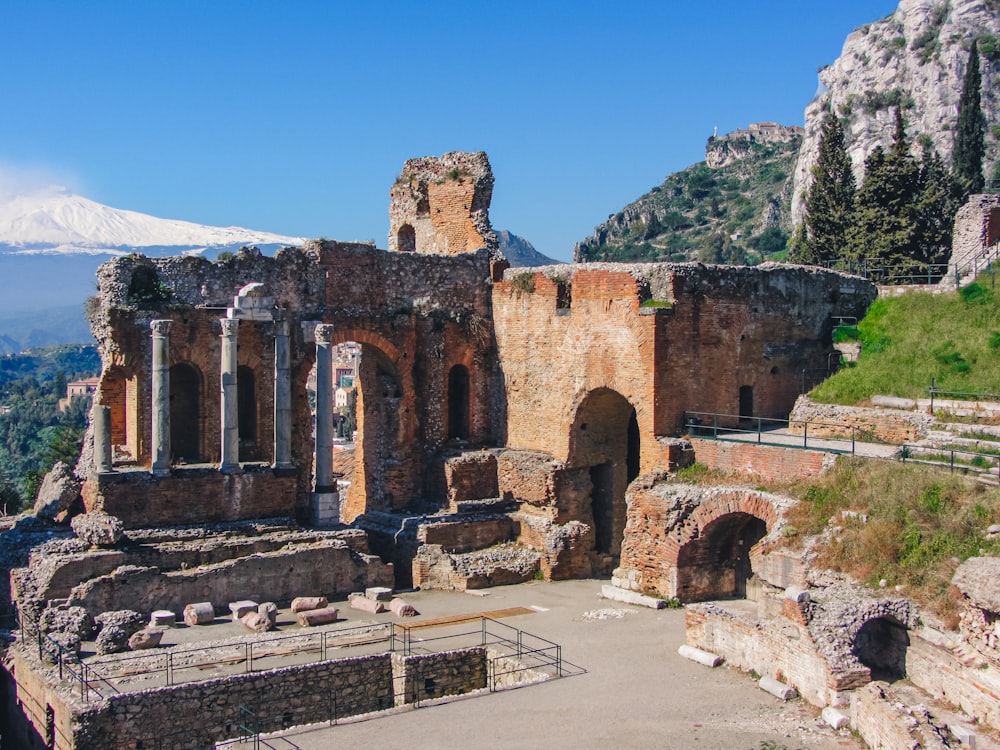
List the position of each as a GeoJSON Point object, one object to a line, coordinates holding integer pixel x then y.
{"type": "Point", "coordinates": [296, 117]}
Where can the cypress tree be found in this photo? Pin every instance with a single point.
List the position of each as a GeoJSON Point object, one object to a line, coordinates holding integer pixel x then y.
{"type": "Point", "coordinates": [830, 202]}
{"type": "Point", "coordinates": [886, 230]}
{"type": "Point", "coordinates": [970, 136]}
{"type": "Point", "coordinates": [939, 200]}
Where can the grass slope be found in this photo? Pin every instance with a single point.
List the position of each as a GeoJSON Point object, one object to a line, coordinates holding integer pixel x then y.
{"type": "Point", "coordinates": [907, 340]}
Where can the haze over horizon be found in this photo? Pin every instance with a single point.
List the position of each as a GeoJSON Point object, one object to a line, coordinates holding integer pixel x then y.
{"type": "Point", "coordinates": [297, 120]}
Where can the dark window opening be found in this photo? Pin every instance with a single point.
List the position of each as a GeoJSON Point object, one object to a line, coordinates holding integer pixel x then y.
{"type": "Point", "coordinates": [185, 413]}
{"type": "Point", "coordinates": [406, 239]}
{"type": "Point", "coordinates": [458, 403]}
{"type": "Point", "coordinates": [746, 403]}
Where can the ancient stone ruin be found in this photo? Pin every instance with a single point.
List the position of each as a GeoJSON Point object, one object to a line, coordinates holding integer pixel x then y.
{"type": "Point", "coordinates": [511, 424]}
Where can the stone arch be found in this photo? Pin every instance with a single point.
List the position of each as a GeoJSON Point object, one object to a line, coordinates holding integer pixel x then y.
{"type": "Point", "coordinates": [383, 478]}
{"type": "Point", "coordinates": [717, 563]}
{"type": "Point", "coordinates": [458, 403]}
{"type": "Point", "coordinates": [406, 239]}
{"type": "Point", "coordinates": [119, 392]}
{"type": "Point", "coordinates": [605, 442]}
{"type": "Point", "coordinates": [187, 401]}
{"type": "Point", "coordinates": [880, 644]}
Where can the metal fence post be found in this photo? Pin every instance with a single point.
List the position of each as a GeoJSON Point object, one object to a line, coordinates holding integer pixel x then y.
{"type": "Point", "coordinates": [758, 429]}
{"type": "Point", "coordinates": [805, 434]}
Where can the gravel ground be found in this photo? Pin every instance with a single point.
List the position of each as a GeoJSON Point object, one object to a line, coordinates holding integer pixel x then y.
{"type": "Point", "coordinates": [633, 690]}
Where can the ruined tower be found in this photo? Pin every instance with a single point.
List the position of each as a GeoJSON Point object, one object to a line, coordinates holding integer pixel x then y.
{"type": "Point", "coordinates": [440, 205]}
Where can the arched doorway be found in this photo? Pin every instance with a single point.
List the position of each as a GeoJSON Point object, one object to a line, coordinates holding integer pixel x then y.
{"type": "Point", "coordinates": [605, 442]}
{"type": "Point", "coordinates": [458, 403]}
{"type": "Point", "coordinates": [716, 564]}
{"type": "Point", "coordinates": [406, 239]}
{"type": "Point", "coordinates": [185, 413]}
{"type": "Point", "coordinates": [246, 403]}
{"type": "Point", "coordinates": [881, 645]}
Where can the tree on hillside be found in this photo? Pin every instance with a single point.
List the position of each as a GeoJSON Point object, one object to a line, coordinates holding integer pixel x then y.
{"type": "Point", "coordinates": [939, 200]}
{"type": "Point", "coordinates": [970, 135]}
{"type": "Point", "coordinates": [830, 203]}
{"type": "Point", "coordinates": [886, 229]}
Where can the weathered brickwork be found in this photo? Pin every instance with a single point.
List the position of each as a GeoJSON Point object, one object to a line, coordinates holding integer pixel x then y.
{"type": "Point", "coordinates": [764, 461]}
{"type": "Point", "coordinates": [895, 426]}
{"type": "Point", "coordinates": [939, 672]}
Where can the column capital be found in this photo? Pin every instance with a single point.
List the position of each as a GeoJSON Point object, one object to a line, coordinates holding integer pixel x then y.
{"type": "Point", "coordinates": [230, 326]}
{"type": "Point", "coordinates": [324, 333]}
{"type": "Point", "coordinates": [160, 327]}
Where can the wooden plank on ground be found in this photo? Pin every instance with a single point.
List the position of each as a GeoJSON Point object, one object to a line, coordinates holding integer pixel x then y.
{"type": "Point", "coordinates": [493, 614]}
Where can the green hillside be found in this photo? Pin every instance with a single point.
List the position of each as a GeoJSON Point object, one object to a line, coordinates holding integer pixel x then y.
{"type": "Point", "coordinates": [907, 340]}
{"type": "Point", "coordinates": [736, 213]}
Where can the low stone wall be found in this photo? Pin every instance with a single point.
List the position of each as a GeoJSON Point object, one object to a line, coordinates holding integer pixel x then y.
{"type": "Point", "coordinates": [198, 714]}
{"type": "Point", "coordinates": [425, 676]}
{"type": "Point", "coordinates": [765, 461]}
{"type": "Point", "coordinates": [886, 725]}
{"type": "Point", "coordinates": [833, 421]}
{"type": "Point", "coordinates": [781, 648]}
{"type": "Point", "coordinates": [467, 535]}
{"type": "Point", "coordinates": [939, 672]}
{"type": "Point", "coordinates": [196, 495]}
{"type": "Point", "coordinates": [323, 568]}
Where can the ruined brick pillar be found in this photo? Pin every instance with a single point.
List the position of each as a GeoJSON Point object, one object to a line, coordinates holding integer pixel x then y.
{"type": "Point", "coordinates": [324, 409]}
{"type": "Point", "coordinates": [229, 403]}
{"type": "Point", "coordinates": [160, 448]}
{"type": "Point", "coordinates": [440, 205]}
{"type": "Point", "coordinates": [282, 395]}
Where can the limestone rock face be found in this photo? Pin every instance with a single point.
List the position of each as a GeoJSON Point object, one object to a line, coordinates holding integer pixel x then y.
{"type": "Point", "coordinates": [58, 492]}
{"type": "Point", "coordinates": [914, 58]}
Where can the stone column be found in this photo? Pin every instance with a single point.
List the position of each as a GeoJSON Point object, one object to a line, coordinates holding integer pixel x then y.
{"type": "Point", "coordinates": [102, 440]}
{"type": "Point", "coordinates": [160, 448]}
{"type": "Point", "coordinates": [229, 403]}
{"type": "Point", "coordinates": [282, 396]}
{"type": "Point", "coordinates": [324, 409]}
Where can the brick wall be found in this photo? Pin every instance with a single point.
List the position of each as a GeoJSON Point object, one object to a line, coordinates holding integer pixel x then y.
{"type": "Point", "coordinates": [939, 673]}
{"type": "Point", "coordinates": [780, 648]}
{"type": "Point", "coordinates": [191, 496]}
{"type": "Point", "coordinates": [765, 461]}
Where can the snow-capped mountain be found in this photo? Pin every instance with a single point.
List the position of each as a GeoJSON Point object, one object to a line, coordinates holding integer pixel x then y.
{"type": "Point", "coordinates": [53, 220]}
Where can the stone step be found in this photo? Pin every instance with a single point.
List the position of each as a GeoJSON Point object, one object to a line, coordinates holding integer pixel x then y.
{"type": "Point", "coordinates": [489, 505]}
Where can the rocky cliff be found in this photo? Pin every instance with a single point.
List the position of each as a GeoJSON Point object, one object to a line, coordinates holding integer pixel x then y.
{"type": "Point", "coordinates": [914, 59]}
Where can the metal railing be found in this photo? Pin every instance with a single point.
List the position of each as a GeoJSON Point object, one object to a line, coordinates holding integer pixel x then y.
{"type": "Point", "coordinates": [102, 677]}
{"type": "Point", "coordinates": [885, 274]}
{"type": "Point", "coordinates": [934, 392]}
{"type": "Point", "coordinates": [755, 430]}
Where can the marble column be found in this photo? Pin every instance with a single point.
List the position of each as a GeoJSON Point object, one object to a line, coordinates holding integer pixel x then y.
{"type": "Point", "coordinates": [229, 402]}
{"type": "Point", "coordinates": [102, 440]}
{"type": "Point", "coordinates": [324, 409]}
{"type": "Point", "coordinates": [282, 396]}
{"type": "Point", "coordinates": [160, 447]}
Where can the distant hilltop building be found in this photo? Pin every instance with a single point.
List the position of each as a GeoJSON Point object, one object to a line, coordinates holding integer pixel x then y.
{"type": "Point", "coordinates": [85, 388]}
{"type": "Point", "coordinates": [725, 149]}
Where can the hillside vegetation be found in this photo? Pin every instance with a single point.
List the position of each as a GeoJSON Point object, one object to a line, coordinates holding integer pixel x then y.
{"type": "Point", "coordinates": [907, 340]}
{"type": "Point", "coordinates": [696, 213]}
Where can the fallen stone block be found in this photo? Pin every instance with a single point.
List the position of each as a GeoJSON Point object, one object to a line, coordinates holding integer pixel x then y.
{"type": "Point", "coordinates": [98, 529]}
{"type": "Point", "coordinates": [402, 608]}
{"type": "Point", "coordinates": [242, 608]}
{"type": "Point", "coordinates": [256, 622]}
{"type": "Point", "coordinates": [311, 617]}
{"type": "Point", "coordinates": [363, 603]}
{"type": "Point", "coordinates": [777, 689]}
{"type": "Point", "coordinates": [270, 611]}
{"type": "Point", "coordinates": [836, 719]}
{"type": "Point", "coordinates": [380, 593]}
{"type": "Point", "coordinates": [631, 597]}
{"type": "Point", "coordinates": [58, 492]}
{"type": "Point", "coordinates": [162, 618]}
{"type": "Point", "coordinates": [145, 638]}
{"type": "Point", "coordinates": [303, 603]}
{"type": "Point", "coordinates": [200, 613]}
{"type": "Point", "coordinates": [704, 658]}
{"type": "Point", "coordinates": [797, 595]}
{"type": "Point", "coordinates": [964, 735]}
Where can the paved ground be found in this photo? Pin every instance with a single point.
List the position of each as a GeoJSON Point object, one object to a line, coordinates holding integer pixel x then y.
{"type": "Point", "coordinates": [635, 692]}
